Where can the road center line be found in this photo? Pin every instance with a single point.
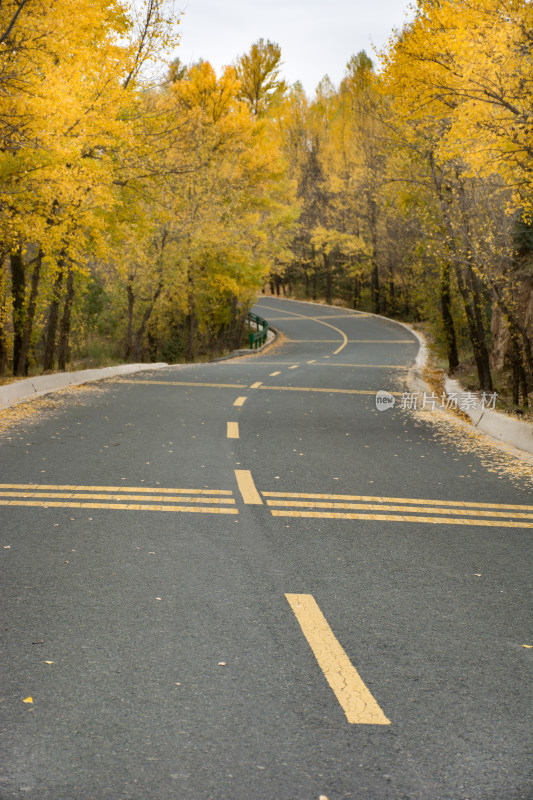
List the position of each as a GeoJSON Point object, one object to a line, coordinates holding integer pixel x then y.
{"type": "Point", "coordinates": [416, 501]}
{"type": "Point", "coordinates": [321, 322]}
{"type": "Point", "coordinates": [80, 488]}
{"type": "Point", "coordinates": [233, 430]}
{"type": "Point", "coordinates": [357, 703]}
{"type": "Point", "coordinates": [246, 485]}
{"type": "Point", "coordinates": [321, 389]}
{"type": "Point", "coordinates": [178, 383]}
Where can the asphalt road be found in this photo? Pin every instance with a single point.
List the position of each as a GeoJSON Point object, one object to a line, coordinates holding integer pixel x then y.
{"type": "Point", "coordinates": [241, 581]}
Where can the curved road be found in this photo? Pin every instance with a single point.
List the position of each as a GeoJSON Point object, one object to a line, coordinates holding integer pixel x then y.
{"type": "Point", "coordinates": [241, 581]}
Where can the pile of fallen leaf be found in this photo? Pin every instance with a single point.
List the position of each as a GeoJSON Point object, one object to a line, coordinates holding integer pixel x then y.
{"type": "Point", "coordinates": [38, 408]}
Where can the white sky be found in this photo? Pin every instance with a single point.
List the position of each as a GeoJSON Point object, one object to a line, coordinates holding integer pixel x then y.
{"type": "Point", "coordinates": [317, 37]}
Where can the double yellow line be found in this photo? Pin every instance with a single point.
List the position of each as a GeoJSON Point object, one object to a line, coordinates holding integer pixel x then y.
{"type": "Point", "coordinates": [121, 498]}
{"type": "Point", "coordinates": [398, 509]}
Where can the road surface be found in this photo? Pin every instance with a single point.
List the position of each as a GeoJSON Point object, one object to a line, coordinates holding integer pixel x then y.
{"type": "Point", "coordinates": [242, 581]}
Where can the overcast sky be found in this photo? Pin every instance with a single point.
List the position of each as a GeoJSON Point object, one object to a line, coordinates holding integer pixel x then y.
{"type": "Point", "coordinates": [317, 37]}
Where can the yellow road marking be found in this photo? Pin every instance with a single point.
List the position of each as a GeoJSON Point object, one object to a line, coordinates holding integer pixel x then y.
{"type": "Point", "coordinates": [321, 389]}
{"type": "Point", "coordinates": [256, 385]}
{"type": "Point", "coordinates": [365, 366]}
{"type": "Point", "coordinates": [316, 317]}
{"type": "Point", "coordinates": [119, 506]}
{"type": "Point", "coordinates": [294, 366]}
{"type": "Point", "coordinates": [386, 507]}
{"type": "Point", "coordinates": [246, 485]}
{"type": "Point", "coordinates": [273, 374]}
{"type": "Point", "coordinates": [110, 496]}
{"type": "Point", "coordinates": [233, 430]}
{"type": "Point", "coordinates": [79, 488]}
{"type": "Point", "coordinates": [320, 322]}
{"type": "Point", "coordinates": [180, 383]}
{"type": "Point", "coordinates": [357, 702]}
{"type": "Point", "coordinates": [240, 401]}
{"type": "Point", "coordinates": [350, 341]}
{"type": "Point", "coordinates": [397, 518]}
{"type": "Point", "coordinates": [312, 362]}
{"type": "Point", "coordinates": [383, 341]}
{"type": "Point", "coordinates": [417, 501]}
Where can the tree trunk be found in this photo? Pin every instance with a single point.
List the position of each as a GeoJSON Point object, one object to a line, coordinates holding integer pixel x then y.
{"type": "Point", "coordinates": [53, 318]}
{"type": "Point", "coordinates": [327, 274]}
{"type": "Point", "coordinates": [447, 318]}
{"type": "Point", "coordinates": [374, 277]}
{"type": "Point", "coordinates": [3, 319]}
{"type": "Point", "coordinates": [18, 293]}
{"type": "Point", "coordinates": [128, 340]}
{"type": "Point", "coordinates": [144, 321]}
{"type": "Point", "coordinates": [477, 336]}
{"type": "Point", "coordinates": [64, 332]}
{"type": "Point", "coordinates": [22, 365]}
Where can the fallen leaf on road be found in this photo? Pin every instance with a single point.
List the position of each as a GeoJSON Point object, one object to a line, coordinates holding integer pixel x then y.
{"type": "Point", "coordinates": [28, 700]}
{"type": "Point", "coordinates": [47, 662]}
{"type": "Point", "coordinates": [529, 646]}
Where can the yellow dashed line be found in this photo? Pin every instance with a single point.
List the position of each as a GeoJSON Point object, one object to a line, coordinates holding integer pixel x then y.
{"type": "Point", "coordinates": [356, 701]}
{"type": "Point", "coordinates": [233, 430]}
{"type": "Point", "coordinates": [256, 385]}
{"type": "Point", "coordinates": [273, 374]}
{"type": "Point", "coordinates": [240, 401]}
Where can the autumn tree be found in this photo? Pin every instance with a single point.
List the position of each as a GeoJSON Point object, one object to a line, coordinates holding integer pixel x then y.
{"type": "Point", "coordinates": [258, 72]}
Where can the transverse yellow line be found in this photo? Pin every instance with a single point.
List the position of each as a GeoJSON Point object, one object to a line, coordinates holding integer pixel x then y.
{"type": "Point", "coordinates": [246, 485]}
{"type": "Point", "coordinates": [349, 341]}
{"type": "Point", "coordinates": [386, 507]}
{"type": "Point", "coordinates": [365, 366]}
{"type": "Point", "coordinates": [320, 322]}
{"type": "Point", "coordinates": [233, 430]}
{"type": "Point", "coordinates": [357, 702]}
{"type": "Point", "coordinates": [80, 488]}
{"type": "Point", "coordinates": [180, 383]}
{"type": "Point", "coordinates": [119, 506]}
{"type": "Point", "coordinates": [110, 496]}
{"type": "Point", "coordinates": [417, 501]}
{"type": "Point", "coordinates": [321, 389]}
{"type": "Point", "coordinates": [397, 518]}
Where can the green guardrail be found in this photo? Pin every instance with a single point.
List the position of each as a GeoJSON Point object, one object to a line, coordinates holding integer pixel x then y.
{"type": "Point", "coordinates": [258, 338]}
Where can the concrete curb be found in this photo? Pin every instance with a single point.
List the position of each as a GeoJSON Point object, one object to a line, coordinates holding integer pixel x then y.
{"type": "Point", "coordinates": [19, 391]}
{"type": "Point", "coordinates": [495, 424]}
